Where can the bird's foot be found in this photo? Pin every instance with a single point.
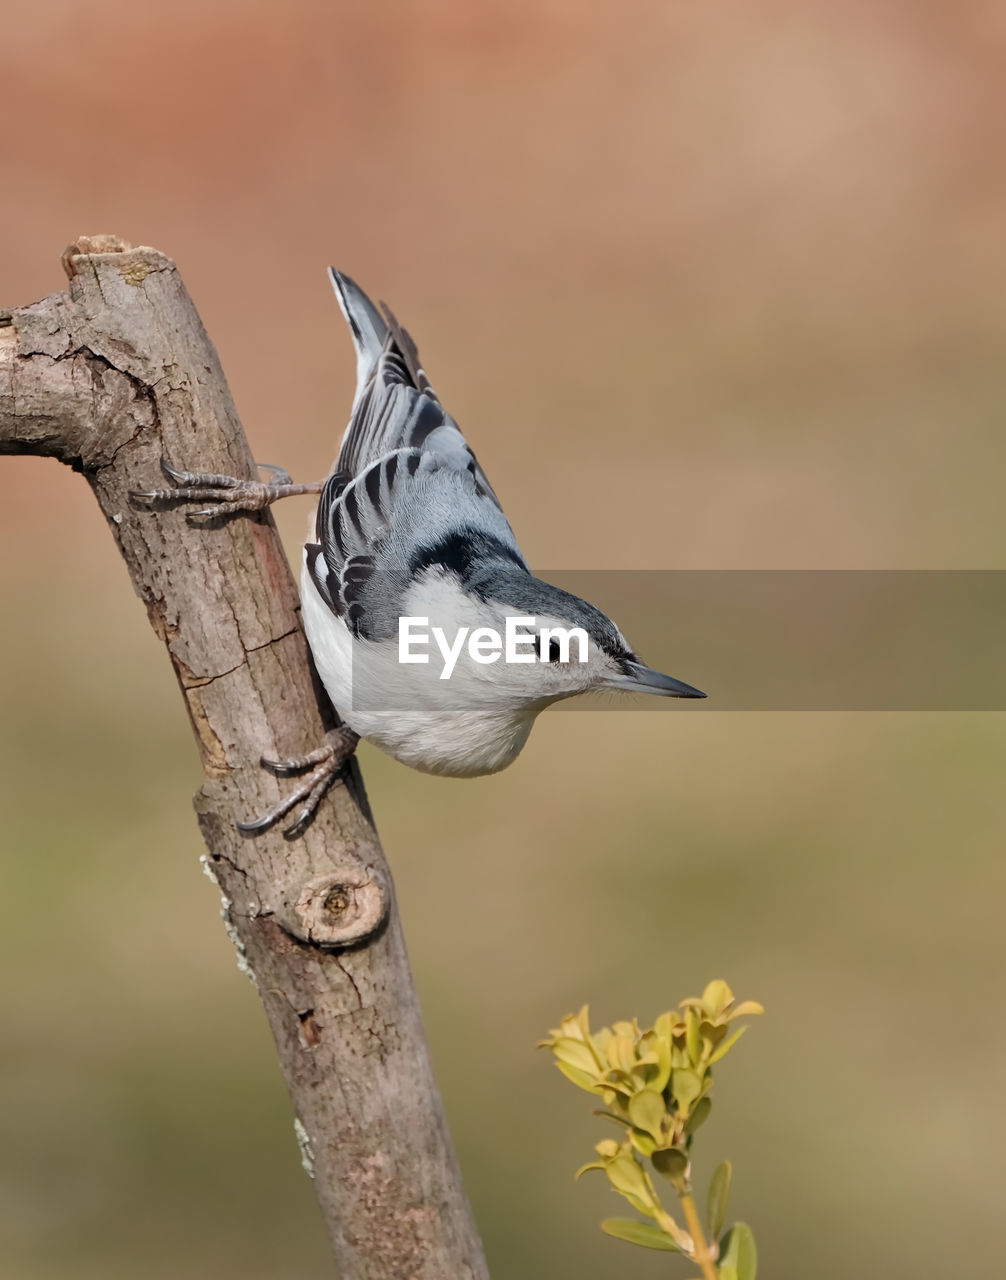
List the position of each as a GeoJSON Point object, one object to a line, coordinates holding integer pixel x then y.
{"type": "Point", "coordinates": [228, 494]}
{"type": "Point", "coordinates": [325, 765]}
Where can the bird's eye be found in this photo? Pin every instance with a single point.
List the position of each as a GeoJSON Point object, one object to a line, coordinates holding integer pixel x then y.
{"type": "Point", "coordinates": [554, 650]}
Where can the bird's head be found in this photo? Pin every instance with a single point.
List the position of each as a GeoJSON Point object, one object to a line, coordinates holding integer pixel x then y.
{"type": "Point", "coordinates": [578, 647]}
{"type": "Point", "coordinates": [507, 639]}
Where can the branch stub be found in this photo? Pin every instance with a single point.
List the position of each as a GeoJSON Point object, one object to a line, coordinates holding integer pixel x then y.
{"type": "Point", "coordinates": [342, 908]}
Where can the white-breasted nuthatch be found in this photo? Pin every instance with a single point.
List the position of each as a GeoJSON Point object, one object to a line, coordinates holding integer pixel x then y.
{"type": "Point", "coordinates": [411, 543]}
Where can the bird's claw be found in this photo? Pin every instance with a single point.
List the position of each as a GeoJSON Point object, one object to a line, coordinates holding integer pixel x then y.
{"type": "Point", "coordinates": [279, 474]}
{"type": "Point", "coordinates": [325, 765]}
{"type": "Point", "coordinates": [297, 764]}
{"type": "Point", "coordinates": [229, 494]}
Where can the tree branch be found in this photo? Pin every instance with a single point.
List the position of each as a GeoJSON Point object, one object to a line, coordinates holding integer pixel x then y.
{"type": "Point", "coordinates": [108, 379]}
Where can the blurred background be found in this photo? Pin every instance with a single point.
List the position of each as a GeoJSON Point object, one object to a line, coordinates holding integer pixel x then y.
{"type": "Point", "coordinates": [735, 273]}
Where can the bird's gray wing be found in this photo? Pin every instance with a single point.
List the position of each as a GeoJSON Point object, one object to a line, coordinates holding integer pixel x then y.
{"type": "Point", "coordinates": [352, 525]}
{"type": "Point", "coordinates": [409, 511]}
{"type": "Point", "coordinates": [395, 406]}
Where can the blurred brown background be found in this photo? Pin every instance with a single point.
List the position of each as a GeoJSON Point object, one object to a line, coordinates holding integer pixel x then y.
{"type": "Point", "coordinates": [733, 275]}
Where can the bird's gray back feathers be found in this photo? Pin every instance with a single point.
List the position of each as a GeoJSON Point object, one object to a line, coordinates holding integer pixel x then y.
{"type": "Point", "coordinates": [407, 491]}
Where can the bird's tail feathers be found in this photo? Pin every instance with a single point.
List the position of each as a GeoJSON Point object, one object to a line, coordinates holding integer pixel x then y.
{"type": "Point", "coordinates": [409, 352]}
{"type": "Point", "coordinates": [365, 323]}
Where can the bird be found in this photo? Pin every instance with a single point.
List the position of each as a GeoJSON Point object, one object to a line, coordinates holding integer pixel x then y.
{"type": "Point", "coordinates": [432, 637]}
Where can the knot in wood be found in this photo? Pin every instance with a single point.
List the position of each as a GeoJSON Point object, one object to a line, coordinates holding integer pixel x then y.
{"type": "Point", "coordinates": [342, 908]}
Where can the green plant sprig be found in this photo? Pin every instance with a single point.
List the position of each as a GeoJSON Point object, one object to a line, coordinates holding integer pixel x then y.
{"type": "Point", "coordinates": [655, 1085]}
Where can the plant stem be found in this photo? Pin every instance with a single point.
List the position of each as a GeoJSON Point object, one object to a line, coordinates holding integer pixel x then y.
{"type": "Point", "coordinates": [679, 1237]}
{"type": "Point", "coordinates": [695, 1227]}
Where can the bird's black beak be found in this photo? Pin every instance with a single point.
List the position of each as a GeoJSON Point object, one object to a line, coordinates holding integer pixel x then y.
{"type": "Point", "coordinates": [640, 679]}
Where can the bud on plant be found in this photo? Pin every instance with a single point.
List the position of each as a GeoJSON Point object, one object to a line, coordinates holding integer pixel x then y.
{"type": "Point", "coordinates": [655, 1086]}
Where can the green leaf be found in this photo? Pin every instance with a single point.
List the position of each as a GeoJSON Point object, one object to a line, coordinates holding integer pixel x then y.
{"type": "Point", "coordinates": [692, 1035]}
{"type": "Point", "coordinates": [663, 1071]}
{"type": "Point", "coordinates": [685, 1086]}
{"type": "Point", "coordinates": [700, 1114]}
{"type": "Point", "coordinates": [573, 1025]}
{"type": "Point", "coordinates": [644, 1206]}
{"type": "Point", "coordinates": [610, 1083]}
{"type": "Point", "coordinates": [672, 1162]}
{"type": "Point", "coordinates": [583, 1021]}
{"type": "Point", "coordinates": [621, 1052]}
{"type": "Point", "coordinates": [643, 1143]}
{"type": "Point", "coordinates": [727, 1045]}
{"type": "Point", "coordinates": [716, 997]}
{"type": "Point", "coordinates": [600, 1041]}
{"type": "Point", "coordinates": [639, 1233]}
{"type": "Point", "coordinates": [647, 1111]}
{"type": "Point", "coordinates": [737, 1250]}
{"type": "Point", "coordinates": [746, 1008]}
{"type": "Point", "coordinates": [719, 1194]}
{"type": "Point", "coordinates": [580, 1078]}
{"type": "Point", "coordinates": [664, 1028]}
{"type": "Point", "coordinates": [619, 1120]}
{"type": "Point", "coordinates": [574, 1053]}
{"type": "Point", "coordinates": [628, 1177]}
{"type": "Point", "coordinates": [726, 1272]}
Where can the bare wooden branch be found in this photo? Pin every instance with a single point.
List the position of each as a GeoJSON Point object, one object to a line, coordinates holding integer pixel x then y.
{"type": "Point", "coordinates": [107, 379]}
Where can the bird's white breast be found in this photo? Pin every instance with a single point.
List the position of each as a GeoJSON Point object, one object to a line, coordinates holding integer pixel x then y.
{"type": "Point", "coordinates": [437, 726]}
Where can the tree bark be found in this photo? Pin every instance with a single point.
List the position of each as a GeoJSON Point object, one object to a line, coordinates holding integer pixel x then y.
{"type": "Point", "coordinates": [107, 379]}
